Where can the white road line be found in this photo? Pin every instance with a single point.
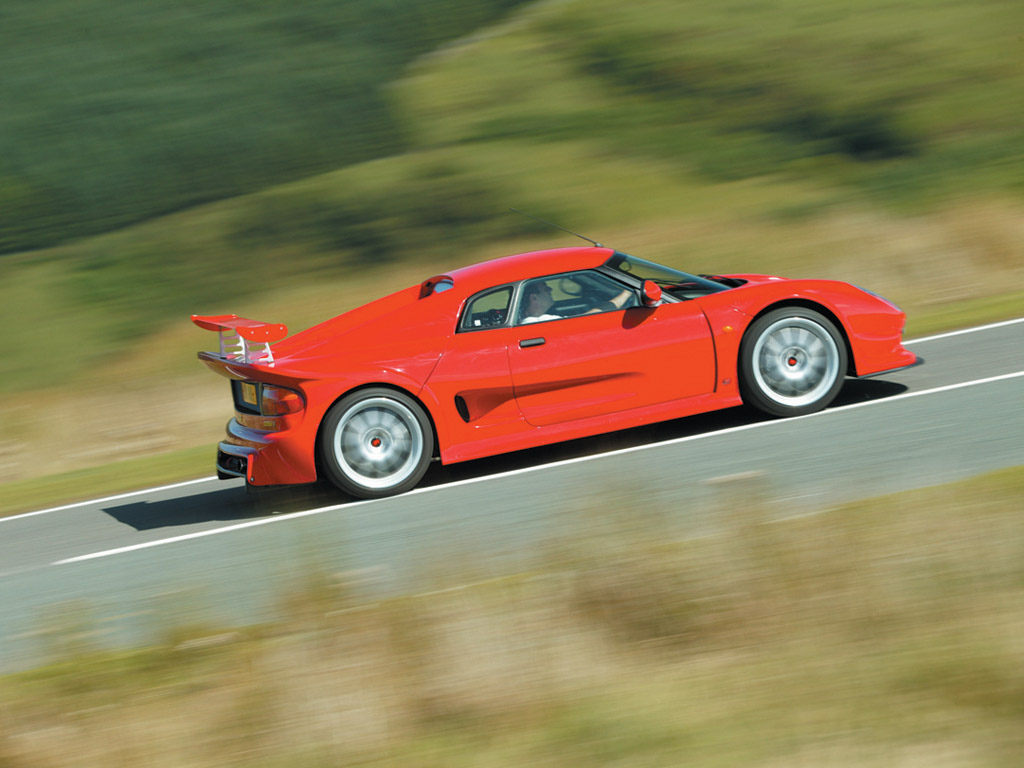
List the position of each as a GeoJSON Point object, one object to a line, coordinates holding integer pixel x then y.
{"type": "Point", "coordinates": [212, 532]}
{"type": "Point", "coordinates": [207, 479]}
{"type": "Point", "coordinates": [108, 498]}
{"type": "Point", "coordinates": [525, 470]}
{"type": "Point", "coordinates": [965, 330]}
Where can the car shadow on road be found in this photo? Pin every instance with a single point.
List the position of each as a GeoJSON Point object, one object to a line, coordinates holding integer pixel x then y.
{"type": "Point", "coordinates": [863, 390]}
{"type": "Point", "coordinates": [236, 504]}
{"type": "Point", "coordinates": [227, 505]}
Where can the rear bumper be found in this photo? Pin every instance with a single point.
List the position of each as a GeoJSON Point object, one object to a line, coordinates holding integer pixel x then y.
{"type": "Point", "coordinates": [265, 458]}
{"type": "Point", "coordinates": [233, 461]}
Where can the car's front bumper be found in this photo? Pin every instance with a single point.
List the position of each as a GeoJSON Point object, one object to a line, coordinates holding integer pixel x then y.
{"type": "Point", "coordinates": [918, 360]}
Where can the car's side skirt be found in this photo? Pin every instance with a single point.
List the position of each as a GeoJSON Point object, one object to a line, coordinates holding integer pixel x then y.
{"type": "Point", "coordinates": [533, 437]}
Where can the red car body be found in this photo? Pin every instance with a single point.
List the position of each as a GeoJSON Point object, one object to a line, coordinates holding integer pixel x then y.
{"type": "Point", "coordinates": [496, 385]}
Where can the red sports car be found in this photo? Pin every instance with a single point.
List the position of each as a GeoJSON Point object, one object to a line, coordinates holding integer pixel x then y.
{"type": "Point", "coordinates": [532, 349]}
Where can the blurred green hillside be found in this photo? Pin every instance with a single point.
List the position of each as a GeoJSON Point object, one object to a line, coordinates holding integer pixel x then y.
{"type": "Point", "coordinates": [878, 142]}
{"type": "Point", "coordinates": [115, 112]}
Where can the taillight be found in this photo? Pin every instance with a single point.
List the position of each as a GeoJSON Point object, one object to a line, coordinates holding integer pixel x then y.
{"type": "Point", "coordinates": [278, 401]}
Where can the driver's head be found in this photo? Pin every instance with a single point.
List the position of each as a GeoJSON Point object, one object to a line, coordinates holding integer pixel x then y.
{"type": "Point", "coordinates": [538, 299]}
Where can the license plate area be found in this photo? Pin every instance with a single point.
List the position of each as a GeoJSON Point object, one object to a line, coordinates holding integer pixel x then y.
{"type": "Point", "coordinates": [246, 396]}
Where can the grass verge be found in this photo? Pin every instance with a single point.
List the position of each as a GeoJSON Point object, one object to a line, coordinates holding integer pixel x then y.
{"type": "Point", "coordinates": [106, 480]}
{"type": "Point", "coordinates": [966, 314]}
{"type": "Point", "coordinates": [883, 632]}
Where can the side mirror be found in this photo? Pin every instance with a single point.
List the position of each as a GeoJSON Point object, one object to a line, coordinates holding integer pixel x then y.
{"type": "Point", "coordinates": [650, 293]}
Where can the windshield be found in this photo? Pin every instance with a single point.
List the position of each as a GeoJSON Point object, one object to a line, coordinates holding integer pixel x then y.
{"type": "Point", "coordinates": [682, 285]}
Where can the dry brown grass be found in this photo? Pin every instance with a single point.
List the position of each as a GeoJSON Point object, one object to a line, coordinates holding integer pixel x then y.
{"type": "Point", "coordinates": [883, 633]}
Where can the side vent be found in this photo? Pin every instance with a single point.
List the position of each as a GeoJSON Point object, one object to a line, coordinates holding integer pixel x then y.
{"type": "Point", "coordinates": [462, 408]}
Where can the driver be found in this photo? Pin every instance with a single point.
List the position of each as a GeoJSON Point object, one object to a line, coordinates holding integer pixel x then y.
{"type": "Point", "coordinates": [538, 301]}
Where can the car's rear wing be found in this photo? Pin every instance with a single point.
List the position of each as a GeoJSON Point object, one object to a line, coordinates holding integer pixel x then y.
{"type": "Point", "coordinates": [242, 340]}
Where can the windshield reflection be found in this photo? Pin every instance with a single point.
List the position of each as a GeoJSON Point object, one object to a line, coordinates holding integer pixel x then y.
{"type": "Point", "coordinates": [682, 285]}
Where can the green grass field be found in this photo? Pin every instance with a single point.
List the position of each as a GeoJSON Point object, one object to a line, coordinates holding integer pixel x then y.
{"type": "Point", "coordinates": [113, 114]}
{"type": "Point", "coordinates": [880, 633]}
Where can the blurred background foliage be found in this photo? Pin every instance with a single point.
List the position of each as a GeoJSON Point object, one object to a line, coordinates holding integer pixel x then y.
{"type": "Point", "coordinates": [292, 161]}
{"type": "Point", "coordinates": [114, 113]}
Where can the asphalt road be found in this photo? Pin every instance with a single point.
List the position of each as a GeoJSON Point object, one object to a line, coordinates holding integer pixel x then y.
{"type": "Point", "coordinates": [208, 549]}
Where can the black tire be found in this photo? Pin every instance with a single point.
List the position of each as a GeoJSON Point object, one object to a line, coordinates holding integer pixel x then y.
{"type": "Point", "coordinates": [376, 442]}
{"type": "Point", "coordinates": [792, 362]}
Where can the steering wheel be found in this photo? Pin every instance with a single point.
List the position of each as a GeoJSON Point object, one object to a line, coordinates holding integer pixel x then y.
{"type": "Point", "coordinates": [494, 317]}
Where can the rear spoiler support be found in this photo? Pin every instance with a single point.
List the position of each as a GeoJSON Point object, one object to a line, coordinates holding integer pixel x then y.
{"type": "Point", "coordinates": [242, 340]}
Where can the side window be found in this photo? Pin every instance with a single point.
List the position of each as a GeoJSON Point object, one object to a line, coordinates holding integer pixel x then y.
{"type": "Point", "coordinates": [487, 310]}
{"type": "Point", "coordinates": [570, 295]}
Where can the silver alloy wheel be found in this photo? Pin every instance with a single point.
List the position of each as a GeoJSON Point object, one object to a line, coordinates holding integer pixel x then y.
{"type": "Point", "coordinates": [378, 442]}
{"type": "Point", "coordinates": [795, 361]}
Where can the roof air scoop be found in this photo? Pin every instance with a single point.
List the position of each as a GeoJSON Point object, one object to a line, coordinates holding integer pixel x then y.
{"type": "Point", "coordinates": [436, 284]}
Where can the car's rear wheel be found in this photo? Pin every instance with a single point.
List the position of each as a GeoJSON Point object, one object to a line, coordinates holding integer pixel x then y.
{"type": "Point", "coordinates": [376, 442]}
{"type": "Point", "coordinates": [792, 362]}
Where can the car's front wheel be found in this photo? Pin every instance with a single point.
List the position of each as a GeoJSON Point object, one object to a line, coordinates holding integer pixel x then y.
{"type": "Point", "coordinates": [792, 362]}
{"type": "Point", "coordinates": [376, 442]}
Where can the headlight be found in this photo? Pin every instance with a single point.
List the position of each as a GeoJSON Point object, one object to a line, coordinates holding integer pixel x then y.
{"type": "Point", "coordinates": [879, 297]}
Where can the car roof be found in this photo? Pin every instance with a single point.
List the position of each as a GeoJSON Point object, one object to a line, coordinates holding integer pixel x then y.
{"type": "Point", "coordinates": [521, 266]}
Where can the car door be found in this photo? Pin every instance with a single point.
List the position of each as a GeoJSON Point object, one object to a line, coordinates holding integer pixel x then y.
{"type": "Point", "coordinates": [607, 359]}
{"type": "Point", "coordinates": [472, 378]}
